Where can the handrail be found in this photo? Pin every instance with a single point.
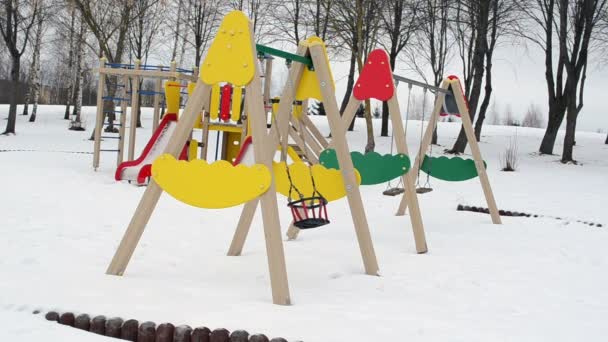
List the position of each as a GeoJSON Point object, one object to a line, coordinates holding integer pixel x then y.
{"type": "Point", "coordinates": [419, 84]}
{"type": "Point", "coordinates": [284, 54]}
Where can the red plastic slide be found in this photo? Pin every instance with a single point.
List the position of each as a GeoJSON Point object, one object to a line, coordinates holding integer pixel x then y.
{"type": "Point", "coordinates": [139, 170]}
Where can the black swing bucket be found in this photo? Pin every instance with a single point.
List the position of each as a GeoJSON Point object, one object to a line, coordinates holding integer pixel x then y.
{"type": "Point", "coordinates": [393, 191]}
{"type": "Point", "coordinates": [309, 212]}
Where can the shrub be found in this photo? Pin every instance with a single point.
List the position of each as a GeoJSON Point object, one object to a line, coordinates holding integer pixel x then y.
{"type": "Point", "coordinates": [509, 159]}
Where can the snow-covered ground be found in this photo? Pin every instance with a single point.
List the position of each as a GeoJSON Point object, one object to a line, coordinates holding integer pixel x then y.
{"type": "Point", "coordinates": [526, 280]}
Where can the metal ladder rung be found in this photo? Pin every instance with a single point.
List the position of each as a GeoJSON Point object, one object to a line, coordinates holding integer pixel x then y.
{"type": "Point", "coordinates": [108, 98]}
{"type": "Point", "coordinates": [102, 150]}
{"type": "Point", "coordinates": [107, 124]}
{"type": "Point", "coordinates": [109, 137]}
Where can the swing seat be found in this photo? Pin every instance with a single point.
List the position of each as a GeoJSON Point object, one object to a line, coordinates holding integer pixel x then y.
{"type": "Point", "coordinates": [374, 168]}
{"type": "Point", "coordinates": [455, 169]}
{"type": "Point", "coordinates": [211, 186]}
{"type": "Point", "coordinates": [423, 190]}
{"type": "Point", "coordinates": [393, 191]}
{"type": "Point", "coordinates": [311, 215]}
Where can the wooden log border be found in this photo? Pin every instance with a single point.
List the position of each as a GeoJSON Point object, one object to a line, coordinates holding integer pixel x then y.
{"type": "Point", "coordinates": [133, 330]}
{"type": "Point", "coordinates": [512, 213]}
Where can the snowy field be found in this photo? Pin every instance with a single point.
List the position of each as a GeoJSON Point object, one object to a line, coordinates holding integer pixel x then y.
{"type": "Point", "coordinates": [530, 279]}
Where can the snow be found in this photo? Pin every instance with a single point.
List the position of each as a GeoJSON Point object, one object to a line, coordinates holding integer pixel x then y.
{"type": "Point", "coordinates": [530, 279]}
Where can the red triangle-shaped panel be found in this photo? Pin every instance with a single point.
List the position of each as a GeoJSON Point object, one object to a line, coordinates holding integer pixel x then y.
{"type": "Point", "coordinates": [376, 78]}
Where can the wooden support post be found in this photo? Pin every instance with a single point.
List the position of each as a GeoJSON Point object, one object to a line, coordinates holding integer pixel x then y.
{"type": "Point", "coordinates": [463, 109]}
{"type": "Point", "coordinates": [100, 114]}
{"type": "Point", "coordinates": [305, 120]}
{"type": "Point", "coordinates": [408, 179]}
{"type": "Point", "coordinates": [344, 160]}
{"type": "Point", "coordinates": [123, 119]}
{"type": "Point", "coordinates": [281, 126]}
{"type": "Point", "coordinates": [158, 85]}
{"type": "Point", "coordinates": [268, 201]}
{"type": "Point", "coordinates": [424, 145]}
{"type": "Point", "coordinates": [240, 235]}
{"type": "Point", "coordinates": [267, 81]}
{"type": "Point", "coordinates": [152, 194]}
{"type": "Point", "coordinates": [134, 111]}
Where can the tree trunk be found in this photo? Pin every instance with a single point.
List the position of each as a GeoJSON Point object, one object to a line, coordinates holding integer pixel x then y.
{"type": "Point", "coordinates": [78, 80]}
{"type": "Point", "coordinates": [369, 124]}
{"type": "Point", "coordinates": [14, 92]}
{"type": "Point", "coordinates": [606, 142]}
{"type": "Point", "coordinates": [349, 87]}
{"type": "Point", "coordinates": [556, 116]}
{"type": "Point", "coordinates": [486, 99]}
{"type": "Point", "coordinates": [70, 90]}
{"type": "Point", "coordinates": [571, 117]}
{"type": "Point", "coordinates": [384, 124]}
{"type": "Point", "coordinates": [35, 91]}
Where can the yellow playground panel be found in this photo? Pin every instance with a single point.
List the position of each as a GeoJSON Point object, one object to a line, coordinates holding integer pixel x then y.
{"type": "Point", "coordinates": [213, 186]}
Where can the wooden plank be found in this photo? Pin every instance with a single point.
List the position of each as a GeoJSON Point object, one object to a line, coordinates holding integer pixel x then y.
{"type": "Point", "coordinates": [346, 165]}
{"type": "Point", "coordinates": [268, 201]}
{"type": "Point", "coordinates": [424, 145]}
{"type": "Point", "coordinates": [307, 151]}
{"type": "Point", "coordinates": [273, 138]}
{"type": "Point", "coordinates": [158, 84]}
{"type": "Point", "coordinates": [314, 130]}
{"type": "Point", "coordinates": [463, 109]}
{"type": "Point", "coordinates": [99, 117]}
{"type": "Point", "coordinates": [349, 112]}
{"type": "Point", "coordinates": [134, 110]}
{"type": "Point", "coordinates": [153, 191]}
{"type": "Point", "coordinates": [242, 228]}
{"type": "Point", "coordinates": [408, 181]}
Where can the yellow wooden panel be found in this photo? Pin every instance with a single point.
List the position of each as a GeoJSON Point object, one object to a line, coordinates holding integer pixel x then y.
{"type": "Point", "coordinates": [233, 145]}
{"type": "Point", "coordinates": [237, 94]}
{"type": "Point", "coordinates": [172, 90]}
{"type": "Point", "coordinates": [192, 149]}
{"type": "Point", "coordinates": [191, 86]}
{"type": "Point", "coordinates": [309, 83]}
{"type": "Point", "coordinates": [214, 107]}
{"type": "Point", "coordinates": [226, 128]}
{"type": "Point", "coordinates": [212, 186]}
{"type": "Point", "coordinates": [230, 57]}
{"type": "Point", "coordinates": [297, 110]}
{"type": "Point", "coordinates": [329, 182]}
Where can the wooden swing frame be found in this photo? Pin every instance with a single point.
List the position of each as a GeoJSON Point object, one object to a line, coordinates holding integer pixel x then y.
{"type": "Point", "coordinates": [265, 144]}
{"type": "Point", "coordinates": [463, 109]}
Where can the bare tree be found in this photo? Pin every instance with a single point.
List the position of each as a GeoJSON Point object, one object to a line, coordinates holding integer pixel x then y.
{"type": "Point", "coordinates": [33, 92]}
{"type": "Point", "coordinates": [70, 66]}
{"type": "Point", "coordinates": [78, 81]}
{"type": "Point", "coordinates": [480, 21]}
{"type": "Point", "coordinates": [570, 24]}
{"type": "Point", "coordinates": [17, 17]}
{"type": "Point", "coordinates": [400, 20]}
{"type": "Point", "coordinates": [108, 21]}
{"type": "Point", "coordinates": [357, 30]}
{"type": "Point", "coordinates": [431, 48]}
{"type": "Point", "coordinates": [202, 23]}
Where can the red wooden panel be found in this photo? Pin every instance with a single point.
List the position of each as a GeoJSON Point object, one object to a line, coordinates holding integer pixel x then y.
{"type": "Point", "coordinates": [376, 78]}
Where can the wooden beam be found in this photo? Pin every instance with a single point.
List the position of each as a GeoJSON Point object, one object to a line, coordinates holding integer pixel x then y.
{"type": "Point", "coordinates": [463, 109]}
{"type": "Point", "coordinates": [134, 111]}
{"type": "Point", "coordinates": [99, 117]}
{"type": "Point", "coordinates": [424, 145]}
{"type": "Point", "coordinates": [153, 191]}
{"type": "Point", "coordinates": [344, 160]}
{"type": "Point", "coordinates": [408, 178]}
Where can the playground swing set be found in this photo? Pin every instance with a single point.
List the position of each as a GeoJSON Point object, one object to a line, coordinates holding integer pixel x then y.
{"type": "Point", "coordinates": [319, 173]}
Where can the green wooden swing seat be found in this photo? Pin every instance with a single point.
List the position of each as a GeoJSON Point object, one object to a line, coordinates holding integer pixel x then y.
{"type": "Point", "coordinates": [455, 169]}
{"type": "Point", "coordinates": [373, 167]}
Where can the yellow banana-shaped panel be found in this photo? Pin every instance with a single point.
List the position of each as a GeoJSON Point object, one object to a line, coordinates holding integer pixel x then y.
{"type": "Point", "coordinates": [212, 186]}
